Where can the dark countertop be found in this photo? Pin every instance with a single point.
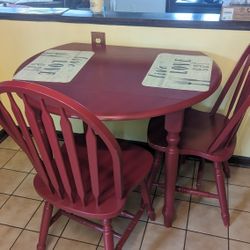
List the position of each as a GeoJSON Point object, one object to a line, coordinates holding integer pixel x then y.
{"type": "Point", "coordinates": [176, 20]}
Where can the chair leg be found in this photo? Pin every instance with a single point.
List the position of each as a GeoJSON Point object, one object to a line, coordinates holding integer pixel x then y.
{"type": "Point", "coordinates": [45, 223]}
{"type": "Point", "coordinates": [182, 159]}
{"type": "Point", "coordinates": [200, 173]}
{"type": "Point", "coordinates": [226, 169]}
{"type": "Point", "coordinates": [156, 166]}
{"type": "Point", "coordinates": [222, 193]}
{"type": "Point", "coordinates": [147, 201]}
{"type": "Point", "coordinates": [108, 235]}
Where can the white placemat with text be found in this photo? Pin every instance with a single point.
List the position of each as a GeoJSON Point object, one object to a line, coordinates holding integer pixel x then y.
{"type": "Point", "coordinates": [55, 66]}
{"type": "Point", "coordinates": [176, 71]}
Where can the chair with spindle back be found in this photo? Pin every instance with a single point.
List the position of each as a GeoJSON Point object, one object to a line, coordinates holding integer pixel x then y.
{"type": "Point", "coordinates": [89, 175]}
{"type": "Point", "coordinates": [209, 135]}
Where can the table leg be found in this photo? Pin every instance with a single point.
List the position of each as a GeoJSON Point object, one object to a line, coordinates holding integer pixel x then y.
{"type": "Point", "coordinates": [173, 125]}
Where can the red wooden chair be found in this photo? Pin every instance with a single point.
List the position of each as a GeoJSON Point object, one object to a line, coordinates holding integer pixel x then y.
{"type": "Point", "coordinates": [209, 135]}
{"type": "Point", "coordinates": [90, 175]}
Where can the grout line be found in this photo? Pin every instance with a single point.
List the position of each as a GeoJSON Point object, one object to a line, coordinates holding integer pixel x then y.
{"type": "Point", "coordinates": [189, 207]}
{"type": "Point", "coordinates": [17, 171]}
{"type": "Point", "coordinates": [241, 241]}
{"type": "Point", "coordinates": [56, 236]}
{"type": "Point", "coordinates": [239, 210]}
{"type": "Point", "coordinates": [99, 242]}
{"type": "Point", "coordinates": [19, 196]}
{"type": "Point", "coordinates": [9, 149]}
{"type": "Point", "coordinates": [5, 200]}
{"type": "Point", "coordinates": [212, 205]}
{"type": "Point", "coordinates": [32, 216]}
{"type": "Point", "coordinates": [23, 229]}
{"type": "Point", "coordinates": [237, 185]}
{"type": "Point", "coordinates": [17, 238]}
{"type": "Point", "coordinates": [9, 159]}
{"type": "Point", "coordinates": [20, 184]}
{"type": "Point", "coordinates": [60, 236]}
{"type": "Point", "coordinates": [143, 235]}
{"type": "Point", "coordinates": [147, 221]}
{"type": "Point", "coordinates": [79, 241]}
{"type": "Point", "coordinates": [12, 194]}
{"type": "Point", "coordinates": [4, 224]}
{"type": "Point", "coordinates": [213, 235]}
{"type": "Point", "coordinates": [154, 197]}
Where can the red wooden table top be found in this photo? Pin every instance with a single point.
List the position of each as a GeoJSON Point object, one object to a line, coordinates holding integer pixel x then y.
{"type": "Point", "coordinates": [110, 84]}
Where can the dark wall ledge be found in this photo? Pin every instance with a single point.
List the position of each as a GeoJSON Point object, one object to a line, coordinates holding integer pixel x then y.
{"type": "Point", "coordinates": [176, 20]}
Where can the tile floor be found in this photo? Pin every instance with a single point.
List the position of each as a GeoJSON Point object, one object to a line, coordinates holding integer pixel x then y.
{"type": "Point", "coordinates": [197, 225]}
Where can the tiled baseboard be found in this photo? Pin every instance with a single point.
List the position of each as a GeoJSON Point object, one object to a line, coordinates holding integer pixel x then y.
{"type": "Point", "coordinates": [235, 159]}
{"type": "Point", "coordinates": [240, 160]}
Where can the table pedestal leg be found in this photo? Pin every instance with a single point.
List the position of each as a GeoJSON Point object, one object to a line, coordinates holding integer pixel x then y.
{"type": "Point", "coordinates": [173, 125]}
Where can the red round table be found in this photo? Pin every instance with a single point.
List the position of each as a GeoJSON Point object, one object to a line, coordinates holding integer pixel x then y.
{"type": "Point", "coordinates": [110, 85]}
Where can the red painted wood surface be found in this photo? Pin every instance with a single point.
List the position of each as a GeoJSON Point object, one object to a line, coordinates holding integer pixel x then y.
{"type": "Point", "coordinates": [110, 86]}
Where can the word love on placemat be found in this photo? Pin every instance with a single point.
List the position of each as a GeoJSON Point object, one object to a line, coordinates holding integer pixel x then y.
{"type": "Point", "coordinates": [55, 66]}
{"type": "Point", "coordinates": [184, 72]}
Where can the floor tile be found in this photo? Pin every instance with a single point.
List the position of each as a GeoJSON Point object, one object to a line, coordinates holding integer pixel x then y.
{"type": "Point", "coordinates": [64, 244]}
{"type": "Point", "coordinates": [55, 229]}
{"type": "Point", "coordinates": [181, 181]}
{"type": "Point", "coordinates": [206, 219]}
{"type": "Point", "coordinates": [160, 238]}
{"type": "Point", "coordinates": [205, 226]}
{"type": "Point", "coordinates": [6, 155]}
{"type": "Point", "coordinates": [208, 171]}
{"type": "Point", "coordinates": [26, 189]}
{"type": "Point", "coordinates": [239, 198]}
{"type": "Point", "coordinates": [18, 211]}
{"type": "Point", "coordinates": [19, 162]}
{"type": "Point", "coordinates": [133, 204]}
{"type": "Point", "coordinates": [8, 236]}
{"type": "Point", "coordinates": [187, 169]}
{"type": "Point", "coordinates": [76, 231]}
{"type": "Point", "coordinates": [10, 180]}
{"type": "Point", "coordinates": [29, 240]}
{"type": "Point", "coordinates": [181, 211]}
{"type": "Point", "coordinates": [9, 143]}
{"type": "Point", "coordinates": [237, 245]}
{"type": "Point", "coordinates": [205, 242]}
{"type": "Point", "coordinates": [240, 176]}
{"type": "Point", "coordinates": [240, 225]}
{"type": "Point", "coordinates": [33, 171]}
{"type": "Point", "coordinates": [207, 186]}
{"type": "Point", "coordinates": [3, 198]}
{"type": "Point", "coordinates": [135, 238]}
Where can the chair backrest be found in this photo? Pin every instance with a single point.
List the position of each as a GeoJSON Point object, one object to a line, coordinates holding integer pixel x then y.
{"type": "Point", "coordinates": [232, 124]}
{"type": "Point", "coordinates": [237, 77]}
{"type": "Point", "coordinates": [35, 132]}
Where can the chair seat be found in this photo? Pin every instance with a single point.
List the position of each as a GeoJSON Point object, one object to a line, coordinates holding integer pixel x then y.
{"type": "Point", "coordinates": [135, 160]}
{"type": "Point", "coordinates": [197, 125]}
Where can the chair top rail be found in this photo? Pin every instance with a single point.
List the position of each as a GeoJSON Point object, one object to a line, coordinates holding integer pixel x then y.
{"type": "Point", "coordinates": [242, 64]}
